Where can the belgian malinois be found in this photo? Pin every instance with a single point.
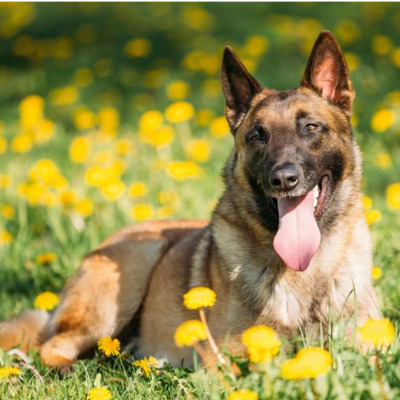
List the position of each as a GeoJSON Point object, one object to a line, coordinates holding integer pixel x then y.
{"type": "Point", "coordinates": [287, 244]}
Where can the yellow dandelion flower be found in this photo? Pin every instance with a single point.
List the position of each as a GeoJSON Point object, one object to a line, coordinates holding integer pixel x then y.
{"type": "Point", "coordinates": [377, 332]}
{"type": "Point", "coordinates": [256, 46]}
{"type": "Point", "coordinates": [383, 160]}
{"type": "Point", "coordinates": [177, 90]}
{"type": "Point", "coordinates": [150, 121]}
{"type": "Point", "coordinates": [6, 372]}
{"type": "Point", "coordinates": [109, 120]}
{"type": "Point", "coordinates": [198, 150]}
{"type": "Point", "coordinates": [83, 77]}
{"type": "Point", "coordinates": [372, 216]}
{"type": "Point", "coordinates": [112, 189]}
{"type": "Point", "coordinates": [46, 301]}
{"type": "Point", "coordinates": [212, 87]}
{"type": "Point", "coordinates": [137, 48]}
{"type": "Point", "coordinates": [109, 346]}
{"type": "Point", "coordinates": [5, 237]}
{"type": "Point", "coordinates": [376, 272]}
{"type": "Point", "coordinates": [158, 138]}
{"type": "Point", "coordinates": [204, 116]}
{"type": "Point", "coordinates": [31, 111]}
{"type": "Point", "coordinates": [99, 393]}
{"type": "Point", "coordinates": [199, 297]}
{"type": "Point", "coordinates": [5, 181]}
{"type": "Point", "coordinates": [179, 111]}
{"type": "Point", "coordinates": [138, 189]}
{"type": "Point", "coordinates": [44, 131]}
{"type": "Point", "coordinates": [366, 202]}
{"type": "Point", "coordinates": [84, 119]}
{"type": "Point", "coordinates": [146, 364]}
{"type": "Point", "coordinates": [165, 212]}
{"type": "Point", "coordinates": [22, 143]}
{"type": "Point", "coordinates": [396, 57]}
{"type": "Point", "coordinates": [64, 96]}
{"type": "Point", "coordinates": [3, 145]}
{"type": "Point", "coordinates": [353, 62]}
{"type": "Point", "coordinates": [46, 258]}
{"type": "Point", "coordinates": [84, 207]}
{"type": "Point", "coordinates": [309, 363]}
{"type": "Point", "coordinates": [182, 170]}
{"type": "Point", "coordinates": [381, 45]}
{"type": "Point", "coordinates": [244, 394]}
{"type": "Point", "coordinates": [382, 120]}
{"type": "Point", "coordinates": [124, 147]}
{"type": "Point", "coordinates": [67, 197]}
{"type": "Point", "coordinates": [96, 175]}
{"type": "Point", "coordinates": [142, 212]}
{"type": "Point", "coordinates": [79, 150]}
{"type": "Point", "coordinates": [262, 343]}
{"type": "Point", "coordinates": [7, 211]}
{"type": "Point", "coordinates": [189, 333]}
{"type": "Point", "coordinates": [219, 127]}
{"type": "Point", "coordinates": [393, 196]}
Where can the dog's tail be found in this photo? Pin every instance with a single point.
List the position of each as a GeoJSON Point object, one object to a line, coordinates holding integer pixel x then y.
{"type": "Point", "coordinates": [24, 331]}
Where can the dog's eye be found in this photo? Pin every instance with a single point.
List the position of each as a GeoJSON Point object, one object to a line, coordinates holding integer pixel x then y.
{"type": "Point", "coordinates": [311, 127]}
{"type": "Point", "coordinates": [257, 134]}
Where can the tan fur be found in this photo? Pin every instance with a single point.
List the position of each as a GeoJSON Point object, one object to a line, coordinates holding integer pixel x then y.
{"type": "Point", "coordinates": [143, 271]}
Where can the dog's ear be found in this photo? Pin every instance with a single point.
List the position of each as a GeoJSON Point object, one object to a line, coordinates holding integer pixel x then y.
{"type": "Point", "coordinates": [327, 73]}
{"type": "Point", "coordinates": [239, 88]}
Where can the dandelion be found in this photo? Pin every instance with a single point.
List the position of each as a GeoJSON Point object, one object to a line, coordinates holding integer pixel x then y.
{"type": "Point", "coordinates": [79, 150]}
{"type": "Point", "coordinates": [366, 202]}
{"type": "Point", "coordinates": [377, 332]}
{"type": "Point", "coordinates": [145, 364]}
{"type": "Point", "coordinates": [382, 120]}
{"type": "Point", "coordinates": [212, 87]}
{"type": "Point", "coordinates": [189, 333]}
{"type": "Point", "coordinates": [137, 48]}
{"type": "Point", "coordinates": [177, 90]}
{"type": "Point", "coordinates": [198, 150]}
{"type": "Point", "coordinates": [381, 45]}
{"type": "Point", "coordinates": [5, 181]}
{"type": "Point", "coordinates": [244, 394]}
{"type": "Point", "coordinates": [183, 170]}
{"type": "Point", "coordinates": [64, 96]}
{"type": "Point", "coordinates": [138, 189]}
{"type": "Point", "coordinates": [204, 116]}
{"type": "Point", "coordinates": [5, 237]}
{"type": "Point", "coordinates": [219, 127]}
{"type": "Point", "coordinates": [109, 346]}
{"type": "Point", "coordinates": [142, 212]}
{"type": "Point", "coordinates": [179, 111]}
{"type": "Point", "coordinates": [393, 196]}
{"type": "Point", "coordinates": [109, 120]}
{"type": "Point", "coordinates": [46, 301]}
{"type": "Point", "coordinates": [112, 189]}
{"type": "Point", "coordinates": [84, 207]}
{"type": "Point", "coordinates": [373, 216]}
{"type": "Point", "coordinates": [7, 211]}
{"type": "Point", "coordinates": [7, 371]}
{"type": "Point", "coordinates": [123, 147]}
{"type": "Point", "coordinates": [22, 144]}
{"type": "Point", "coordinates": [199, 297]}
{"type": "Point", "coordinates": [83, 77]}
{"type": "Point", "coordinates": [84, 119]}
{"type": "Point", "coordinates": [396, 57]}
{"type": "Point", "coordinates": [309, 363]}
{"type": "Point", "coordinates": [262, 343]}
{"type": "Point", "coordinates": [67, 197]}
{"type": "Point", "coordinates": [150, 121]}
{"type": "Point", "coordinates": [99, 393]}
{"type": "Point", "coordinates": [158, 138]}
{"type": "Point", "coordinates": [383, 160]}
{"type": "Point", "coordinates": [46, 258]}
{"type": "Point", "coordinates": [376, 273]}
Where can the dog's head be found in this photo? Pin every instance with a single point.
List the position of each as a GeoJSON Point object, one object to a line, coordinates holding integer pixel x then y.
{"type": "Point", "coordinates": [294, 147]}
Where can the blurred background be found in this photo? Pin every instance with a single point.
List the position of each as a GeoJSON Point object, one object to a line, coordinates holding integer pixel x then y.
{"type": "Point", "coordinates": [112, 113]}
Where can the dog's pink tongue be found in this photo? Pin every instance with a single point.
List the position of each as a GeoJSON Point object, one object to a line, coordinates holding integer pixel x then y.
{"type": "Point", "coordinates": [298, 236]}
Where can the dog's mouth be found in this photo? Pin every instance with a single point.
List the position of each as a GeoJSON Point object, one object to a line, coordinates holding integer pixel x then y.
{"type": "Point", "coordinates": [298, 236]}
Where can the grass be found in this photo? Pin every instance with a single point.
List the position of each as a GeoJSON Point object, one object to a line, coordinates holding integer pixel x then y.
{"type": "Point", "coordinates": [64, 39]}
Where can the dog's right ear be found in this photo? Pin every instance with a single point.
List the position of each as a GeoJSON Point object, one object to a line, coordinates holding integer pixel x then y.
{"type": "Point", "coordinates": [239, 88]}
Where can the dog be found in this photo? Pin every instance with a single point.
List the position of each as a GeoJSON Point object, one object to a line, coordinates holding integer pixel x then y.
{"type": "Point", "coordinates": [287, 245]}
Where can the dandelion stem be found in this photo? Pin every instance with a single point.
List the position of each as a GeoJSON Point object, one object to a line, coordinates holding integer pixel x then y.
{"type": "Point", "coordinates": [379, 374]}
{"type": "Point", "coordinates": [210, 338]}
{"type": "Point", "coordinates": [314, 390]}
{"type": "Point", "coordinates": [267, 381]}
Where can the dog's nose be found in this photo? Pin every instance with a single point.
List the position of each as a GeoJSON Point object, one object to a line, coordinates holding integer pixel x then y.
{"type": "Point", "coordinates": [284, 177]}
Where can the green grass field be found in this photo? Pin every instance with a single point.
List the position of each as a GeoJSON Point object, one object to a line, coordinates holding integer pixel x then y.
{"type": "Point", "coordinates": [111, 114]}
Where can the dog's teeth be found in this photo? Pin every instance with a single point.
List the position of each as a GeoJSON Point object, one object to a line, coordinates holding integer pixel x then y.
{"type": "Point", "coordinates": [316, 195]}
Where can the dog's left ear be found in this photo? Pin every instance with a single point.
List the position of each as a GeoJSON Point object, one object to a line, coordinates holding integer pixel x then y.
{"type": "Point", "coordinates": [327, 73]}
{"type": "Point", "coordinates": [239, 88]}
